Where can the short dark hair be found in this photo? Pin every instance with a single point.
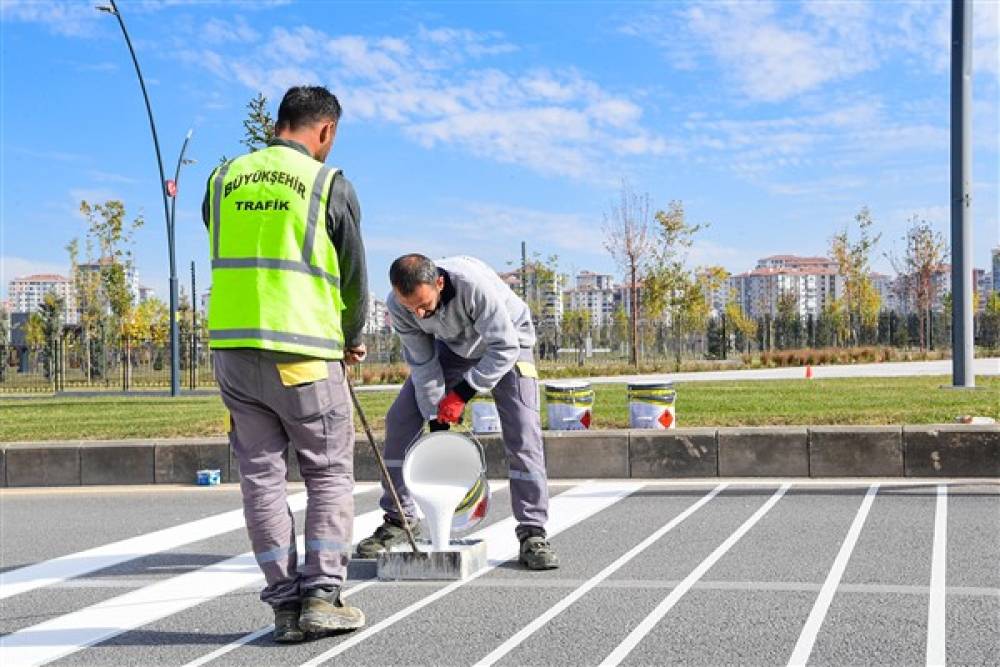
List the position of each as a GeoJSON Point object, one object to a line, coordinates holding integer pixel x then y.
{"type": "Point", "coordinates": [409, 272]}
{"type": "Point", "coordinates": [305, 105]}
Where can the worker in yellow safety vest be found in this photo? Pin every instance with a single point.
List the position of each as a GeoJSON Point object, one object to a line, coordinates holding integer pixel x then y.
{"type": "Point", "coordinates": [288, 303]}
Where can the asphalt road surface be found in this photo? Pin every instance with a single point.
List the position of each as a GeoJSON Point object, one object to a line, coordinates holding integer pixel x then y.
{"type": "Point", "coordinates": [704, 572]}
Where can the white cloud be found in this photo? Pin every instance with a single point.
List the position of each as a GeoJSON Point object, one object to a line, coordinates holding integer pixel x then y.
{"type": "Point", "coordinates": [773, 58]}
{"type": "Point", "coordinates": [73, 19]}
{"type": "Point", "coordinates": [432, 85]}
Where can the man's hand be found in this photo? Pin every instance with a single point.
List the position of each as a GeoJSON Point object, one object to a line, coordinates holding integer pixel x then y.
{"type": "Point", "coordinates": [355, 355]}
{"type": "Point", "coordinates": [450, 408]}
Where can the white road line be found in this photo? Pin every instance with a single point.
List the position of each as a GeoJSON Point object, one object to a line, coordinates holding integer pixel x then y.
{"type": "Point", "coordinates": [939, 565]}
{"type": "Point", "coordinates": [565, 510]}
{"type": "Point", "coordinates": [528, 630]}
{"type": "Point", "coordinates": [804, 646]}
{"type": "Point", "coordinates": [77, 564]}
{"type": "Point", "coordinates": [640, 631]}
{"type": "Point", "coordinates": [63, 635]}
{"type": "Point", "coordinates": [256, 634]}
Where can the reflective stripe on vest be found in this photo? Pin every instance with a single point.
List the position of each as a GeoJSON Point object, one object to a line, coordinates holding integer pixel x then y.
{"type": "Point", "coordinates": [273, 286]}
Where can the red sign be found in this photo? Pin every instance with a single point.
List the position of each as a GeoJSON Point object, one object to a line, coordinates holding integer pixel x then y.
{"type": "Point", "coordinates": [667, 418]}
{"type": "Point", "coordinates": [585, 419]}
{"type": "Point", "coordinates": [171, 187]}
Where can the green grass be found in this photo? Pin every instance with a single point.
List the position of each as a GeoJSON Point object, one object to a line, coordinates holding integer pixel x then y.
{"type": "Point", "coordinates": [833, 401]}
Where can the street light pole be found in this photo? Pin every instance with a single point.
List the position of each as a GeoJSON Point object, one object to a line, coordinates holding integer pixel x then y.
{"type": "Point", "coordinates": [962, 348]}
{"type": "Point", "coordinates": [174, 380]}
{"type": "Point", "coordinates": [172, 189]}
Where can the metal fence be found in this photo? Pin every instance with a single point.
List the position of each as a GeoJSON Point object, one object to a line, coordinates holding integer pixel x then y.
{"type": "Point", "coordinates": [134, 364]}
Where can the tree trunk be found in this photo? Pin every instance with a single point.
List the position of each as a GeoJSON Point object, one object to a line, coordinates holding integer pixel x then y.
{"type": "Point", "coordinates": [634, 298]}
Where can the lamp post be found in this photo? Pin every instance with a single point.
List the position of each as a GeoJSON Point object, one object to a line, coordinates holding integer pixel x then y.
{"type": "Point", "coordinates": [174, 351]}
{"type": "Point", "coordinates": [962, 343]}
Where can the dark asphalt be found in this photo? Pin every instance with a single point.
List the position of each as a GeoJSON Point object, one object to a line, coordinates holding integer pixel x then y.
{"type": "Point", "coordinates": [749, 608]}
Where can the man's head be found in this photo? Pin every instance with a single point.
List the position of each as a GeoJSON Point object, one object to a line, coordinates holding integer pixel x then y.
{"type": "Point", "coordinates": [416, 284]}
{"type": "Point", "coordinates": [309, 115]}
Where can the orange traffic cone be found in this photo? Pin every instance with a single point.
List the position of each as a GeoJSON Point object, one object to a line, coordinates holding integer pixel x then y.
{"type": "Point", "coordinates": [809, 372]}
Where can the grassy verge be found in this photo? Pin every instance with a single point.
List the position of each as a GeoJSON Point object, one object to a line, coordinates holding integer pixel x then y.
{"type": "Point", "coordinates": [775, 402]}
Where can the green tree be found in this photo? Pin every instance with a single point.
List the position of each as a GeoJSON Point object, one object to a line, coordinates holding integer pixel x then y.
{"type": "Point", "coordinates": [34, 336]}
{"type": "Point", "coordinates": [853, 257]}
{"type": "Point", "coordinates": [576, 327]}
{"type": "Point", "coordinates": [50, 310]}
{"type": "Point", "coordinates": [742, 324]}
{"type": "Point", "coordinates": [4, 341]}
{"type": "Point", "coordinates": [788, 325]}
{"type": "Point", "coordinates": [627, 237]}
{"type": "Point", "coordinates": [668, 286]}
{"type": "Point", "coordinates": [105, 301]}
{"type": "Point", "coordinates": [258, 126]}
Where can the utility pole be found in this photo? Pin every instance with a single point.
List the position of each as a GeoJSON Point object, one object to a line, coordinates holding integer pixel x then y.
{"type": "Point", "coordinates": [193, 360]}
{"type": "Point", "coordinates": [962, 348]}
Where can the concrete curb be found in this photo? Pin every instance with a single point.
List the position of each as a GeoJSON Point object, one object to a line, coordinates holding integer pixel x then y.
{"type": "Point", "coordinates": [797, 451]}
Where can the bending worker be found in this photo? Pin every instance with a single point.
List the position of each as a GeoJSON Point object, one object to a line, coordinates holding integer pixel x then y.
{"type": "Point", "coordinates": [464, 331]}
{"type": "Point", "coordinates": [289, 299]}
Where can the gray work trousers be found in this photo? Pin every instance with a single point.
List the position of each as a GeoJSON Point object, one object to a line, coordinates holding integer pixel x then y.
{"type": "Point", "coordinates": [316, 418]}
{"type": "Point", "coordinates": [516, 398]}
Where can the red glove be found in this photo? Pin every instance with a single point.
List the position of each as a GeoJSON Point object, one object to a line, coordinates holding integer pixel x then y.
{"type": "Point", "coordinates": [450, 408]}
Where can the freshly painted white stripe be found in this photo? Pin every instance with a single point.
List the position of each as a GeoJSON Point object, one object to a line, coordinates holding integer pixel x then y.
{"type": "Point", "coordinates": [63, 635]}
{"type": "Point", "coordinates": [528, 630]}
{"type": "Point", "coordinates": [247, 638]}
{"type": "Point", "coordinates": [939, 562]}
{"type": "Point", "coordinates": [80, 563]}
{"type": "Point", "coordinates": [804, 646]}
{"type": "Point", "coordinates": [640, 631]}
{"type": "Point", "coordinates": [257, 634]}
{"type": "Point", "coordinates": [565, 510]}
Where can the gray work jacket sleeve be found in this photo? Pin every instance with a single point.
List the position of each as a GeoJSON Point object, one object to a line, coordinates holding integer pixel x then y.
{"type": "Point", "coordinates": [420, 354]}
{"type": "Point", "coordinates": [491, 320]}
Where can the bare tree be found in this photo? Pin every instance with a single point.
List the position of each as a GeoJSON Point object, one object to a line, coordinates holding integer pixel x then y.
{"type": "Point", "coordinates": [627, 236]}
{"type": "Point", "coordinates": [923, 251]}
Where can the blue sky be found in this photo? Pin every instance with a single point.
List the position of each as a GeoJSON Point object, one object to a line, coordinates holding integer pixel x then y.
{"type": "Point", "coordinates": [469, 127]}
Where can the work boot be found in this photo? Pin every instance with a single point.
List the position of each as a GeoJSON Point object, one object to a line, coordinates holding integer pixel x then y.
{"type": "Point", "coordinates": [385, 537]}
{"type": "Point", "coordinates": [323, 611]}
{"type": "Point", "coordinates": [286, 623]}
{"type": "Point", "coordinates": [537, 553]}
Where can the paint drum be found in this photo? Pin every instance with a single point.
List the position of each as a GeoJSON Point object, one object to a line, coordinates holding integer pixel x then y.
{"type": "Point", "coordinates": [651, 405]}
{"type": "Point", "coordinates": [485, 418]}
{"type": "Point", "coordinates": [569, 405]}
{"type": "Point", "coordinates": [446, 458]}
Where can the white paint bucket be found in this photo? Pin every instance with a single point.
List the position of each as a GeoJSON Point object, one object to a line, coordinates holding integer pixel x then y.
{"type": "Point", "coordinates": [485, 418]}
{"type": "Point", "coordinates": [651, 405]}
{"type": "Point", "coordinates": [569, 405]}
{"type": "Point", "coordinates": [446, 474]}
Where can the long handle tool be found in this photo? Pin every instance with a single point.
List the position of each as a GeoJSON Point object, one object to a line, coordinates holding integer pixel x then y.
{"type": "Point", "coordinates": [381, 462]}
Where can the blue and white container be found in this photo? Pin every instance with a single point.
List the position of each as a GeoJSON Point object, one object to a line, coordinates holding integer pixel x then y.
{"type": "Point", "coordinates": [209, 477]}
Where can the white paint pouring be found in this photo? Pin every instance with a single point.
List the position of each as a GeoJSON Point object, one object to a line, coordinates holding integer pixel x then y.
{"type": "Point", "coordinates": [440, 470]}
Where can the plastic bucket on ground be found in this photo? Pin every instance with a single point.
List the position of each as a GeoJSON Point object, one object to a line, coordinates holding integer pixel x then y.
{"type": "Point", "coordinates": [485, 418]}
{"type": "Point", "coordinates": [651, 405]}
{"type": "Point", "coordinates": [570, 405]}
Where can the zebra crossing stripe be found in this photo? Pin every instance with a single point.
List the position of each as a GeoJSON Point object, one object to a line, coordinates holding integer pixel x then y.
{"type": "Point", "coordinates": [565, 510]}
{"type": "Point", "coordinates": [57, 570]}
{"type": "Point", "coordinates": [63, 635]}
{"type": "Point", "coordinates": [528, 630]}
